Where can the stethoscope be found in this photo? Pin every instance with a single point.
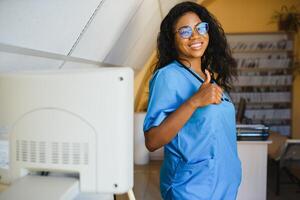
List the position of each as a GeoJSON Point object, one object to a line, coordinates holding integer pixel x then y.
{"type": "Point", "coordinates": [199, 79]}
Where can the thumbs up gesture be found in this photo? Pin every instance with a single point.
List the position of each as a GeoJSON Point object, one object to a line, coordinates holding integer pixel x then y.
{"type": "Point", "coordinates": [207, 94]}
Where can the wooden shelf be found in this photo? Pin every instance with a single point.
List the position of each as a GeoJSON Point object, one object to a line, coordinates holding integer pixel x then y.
{"type": "Point", "coordinates": [265, 86]}
{"type": "Point", "coordinates": [261, 50]}
{"type": "Point", "coordinates": [259, 69]}
{"type": "Point", "coordinates": [274, 102]}
{"type": "Point", "coordinates": [274, 122]}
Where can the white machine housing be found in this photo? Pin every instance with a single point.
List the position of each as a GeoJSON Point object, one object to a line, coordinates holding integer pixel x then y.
{"type": "Point", "coordinates": [73, 121]}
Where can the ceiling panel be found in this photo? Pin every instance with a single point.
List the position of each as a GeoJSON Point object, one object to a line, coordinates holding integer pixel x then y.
{"type": "Point", "coordinates": [138, 40]}
{"type": "Point", "coordinates": [105, 29]}
{"type": "Point", "coordinates": [50, 26]}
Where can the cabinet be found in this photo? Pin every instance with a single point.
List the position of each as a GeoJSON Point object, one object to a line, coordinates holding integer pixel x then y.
{"type": "Point", "coordinates": [264, 77]}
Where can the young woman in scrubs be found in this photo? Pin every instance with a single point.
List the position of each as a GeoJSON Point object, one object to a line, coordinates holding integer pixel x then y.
{"type": "Point", "coordinates": [189, 110]}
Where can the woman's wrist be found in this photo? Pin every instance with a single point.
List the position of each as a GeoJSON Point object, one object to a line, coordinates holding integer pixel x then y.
{"type": "Point", "coordinates": [192, 103]}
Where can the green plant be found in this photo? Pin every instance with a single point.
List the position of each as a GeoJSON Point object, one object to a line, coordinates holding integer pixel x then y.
{"type": "Point", "coordinates": [288, 19]}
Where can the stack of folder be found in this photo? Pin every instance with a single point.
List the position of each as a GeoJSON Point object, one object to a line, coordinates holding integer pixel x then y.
{"type": "Point", "coordinates": [252, 132]}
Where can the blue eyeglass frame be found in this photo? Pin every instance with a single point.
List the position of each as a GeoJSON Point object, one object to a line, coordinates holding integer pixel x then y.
{"type": "Point", "coordinates": [186, 31]}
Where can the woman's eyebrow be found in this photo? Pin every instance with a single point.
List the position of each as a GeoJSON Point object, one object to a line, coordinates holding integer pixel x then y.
{"type": "Point", "coordinates": [191, 25]}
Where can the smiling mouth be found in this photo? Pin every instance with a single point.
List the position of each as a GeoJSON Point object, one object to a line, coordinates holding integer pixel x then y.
{"type": "Point", "coordinates": [196, 45]}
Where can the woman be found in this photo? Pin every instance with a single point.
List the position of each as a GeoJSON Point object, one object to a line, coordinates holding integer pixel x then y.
{"type": "Point", "coordinates": [189, 111]}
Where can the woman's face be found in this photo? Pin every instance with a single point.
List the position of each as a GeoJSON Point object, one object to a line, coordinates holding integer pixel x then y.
{"type": "Point", "coordinates": [194, 46]}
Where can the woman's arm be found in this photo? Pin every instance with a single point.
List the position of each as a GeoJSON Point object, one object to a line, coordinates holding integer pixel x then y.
{"type": "Point", "coordinates": [158, 136]}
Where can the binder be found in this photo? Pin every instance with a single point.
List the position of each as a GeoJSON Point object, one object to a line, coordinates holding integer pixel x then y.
{"type": "Point", "coordinates": [252, 132]}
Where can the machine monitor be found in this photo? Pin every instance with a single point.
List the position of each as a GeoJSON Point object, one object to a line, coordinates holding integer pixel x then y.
{"type": "Point", "coordinates": [71, 121]}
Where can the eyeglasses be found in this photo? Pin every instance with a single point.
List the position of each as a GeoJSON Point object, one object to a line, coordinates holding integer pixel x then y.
{"type": "Point", "coordinates": [186, 31]}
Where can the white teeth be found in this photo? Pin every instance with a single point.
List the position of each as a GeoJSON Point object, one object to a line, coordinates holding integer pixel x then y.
{"type": "Point", "coordinates": [196, 45]}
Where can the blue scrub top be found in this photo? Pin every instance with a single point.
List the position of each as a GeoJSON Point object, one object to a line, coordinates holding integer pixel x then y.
{"type": "Point", "coordinates": [201, 161]}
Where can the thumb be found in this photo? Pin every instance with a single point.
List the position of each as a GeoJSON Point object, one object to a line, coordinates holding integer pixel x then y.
{"type": "Point", "coordinates": [208, 77]}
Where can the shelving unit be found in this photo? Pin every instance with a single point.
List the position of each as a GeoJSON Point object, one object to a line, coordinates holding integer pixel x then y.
{"type": "Point", "coordinates": [265, 64]}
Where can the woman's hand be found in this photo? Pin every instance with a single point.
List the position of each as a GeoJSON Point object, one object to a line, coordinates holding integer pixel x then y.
{"type": "Point", "coordinates": [207, 94]}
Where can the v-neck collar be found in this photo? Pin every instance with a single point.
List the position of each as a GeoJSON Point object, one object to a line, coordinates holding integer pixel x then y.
{"type": "Point", "coordinates": [191, 70]}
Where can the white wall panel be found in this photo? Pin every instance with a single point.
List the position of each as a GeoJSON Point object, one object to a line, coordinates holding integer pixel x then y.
{"type": "Point", "coordinates": [107, 26]}
{"type": "Point", "coordinates": [138, 40]}
{"type": "Point", "coordinates": [13, 62]}
{"type": "Point", "coordinates": [49, 25]}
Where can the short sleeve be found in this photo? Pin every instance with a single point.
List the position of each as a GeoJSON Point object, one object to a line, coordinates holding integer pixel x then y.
{"type": "Point", "coordinates": [162, 98]}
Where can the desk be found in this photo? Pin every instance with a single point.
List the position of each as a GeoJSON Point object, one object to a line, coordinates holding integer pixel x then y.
{"type": "Point", "coordinates": [254, 157]}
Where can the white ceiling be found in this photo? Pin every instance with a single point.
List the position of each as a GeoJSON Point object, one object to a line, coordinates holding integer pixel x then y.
{"type": "Point", "coordinates": [114, 31]}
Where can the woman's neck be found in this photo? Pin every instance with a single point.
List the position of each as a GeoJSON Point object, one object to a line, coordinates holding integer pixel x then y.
{"type": "Point", "coordinates": [195, 64]}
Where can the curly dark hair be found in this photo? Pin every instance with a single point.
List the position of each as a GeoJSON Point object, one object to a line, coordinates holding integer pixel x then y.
{"type": "Point", "coordinates": [217, 57]}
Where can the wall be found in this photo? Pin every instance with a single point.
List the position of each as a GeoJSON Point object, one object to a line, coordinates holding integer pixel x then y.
{"type": "Point", "coordinates": [246, 16]}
